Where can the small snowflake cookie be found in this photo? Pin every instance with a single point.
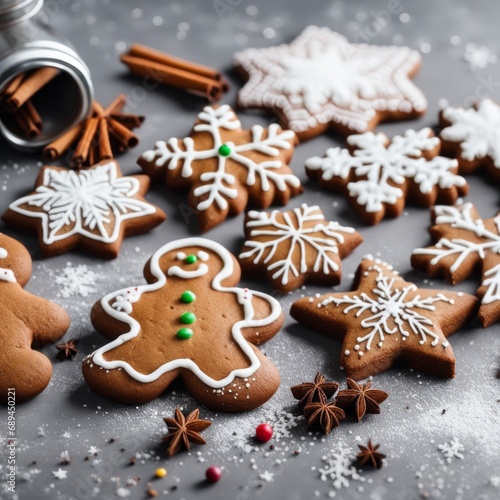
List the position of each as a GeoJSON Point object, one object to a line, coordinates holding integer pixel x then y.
{"type": "Point", "coordinates": [462, 243]}
{"type": "Point", "coordinates": [473, 137]}
{"type": "Point", "coordinates": [290, 248]}
{"type": "Point", "coordinates": [92, 209]}
{"type": "Point", "coordinates": [385, 318]}
{"type": "Point", "coordinates": [25, 320]}
{"type": "Point", "coordinates": [225, 167]}
{"type": "Point", "coordinates": [378, 174]}
{"type": "Point", "coordinates": [321, 80]}
{"type": "Point", "coordinates": [192, 322]}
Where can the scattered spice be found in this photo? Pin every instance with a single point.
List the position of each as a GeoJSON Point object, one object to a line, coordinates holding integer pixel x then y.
{"type": "Point", "coordinates": [323, 415]}
{"type": "Point", "coordinates": [183, 430]}
{"type": "Point", "coordinates": [67, 350]}
{"type": "Point", "coordinates": [318, 391]}
{"type": "Point", "coordinates": [369, 455]}
{"type": "Point", "coordinates": [105, 132]}
{"type": "Point", "coordinates": [361, 397]}
{"type": "Point", "coordinates": [132, 461]}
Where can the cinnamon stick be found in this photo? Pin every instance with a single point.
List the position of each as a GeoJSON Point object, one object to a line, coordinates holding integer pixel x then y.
{"type": "Point", "coordinates": [13, 85]}
{"type": "Point", "coordinates": [55, 149]}
{"type": "Point", "coordinates": [26, 124]}
{"type": "Point", "coordinates": [82, 148]}
{"type": "Point", "coordinates": [153, 55]}
{"type": "Point", "coordinates": [211, 88]}
{"type": "Point", "coordinates": [122, 134]}
{"type": "Point", "coordinates": [33, 114]}
{"type": "Point", "coordinates": [29, 87]}
{"type": "Point", "coordinates": [128, 120]}
{"type": "Point", "coordinates": [116, 105]}
{"type": "Point", "coordinates": [105, 152]}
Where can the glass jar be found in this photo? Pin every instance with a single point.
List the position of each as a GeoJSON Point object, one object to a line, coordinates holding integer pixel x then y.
{"type": "Point", "coordinates": [27, 42]}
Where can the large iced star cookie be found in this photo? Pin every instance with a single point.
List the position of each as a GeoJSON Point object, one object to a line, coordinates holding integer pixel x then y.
{"type": "Point", "coordinates": [321, 80]}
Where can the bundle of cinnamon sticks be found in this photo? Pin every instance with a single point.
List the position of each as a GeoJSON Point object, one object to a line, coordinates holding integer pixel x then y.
{"type": "Point", "coordinates": [169, 70]}
{"type": "Point", "coordinates": [16, 98]}
{"type": "Point", "coordinates": [105, 131]}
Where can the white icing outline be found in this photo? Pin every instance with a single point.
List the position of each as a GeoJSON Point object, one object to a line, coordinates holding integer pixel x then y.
{"type": "Point", "coordinates": [219, 185]}
{"type": "Point", "coordinates": [114, 304]}
{"type": "Point", "coordinates": [321, 78]}
{"type": "Point", "coordinates": [83, 199]}
{"type": "Point", "coordinates": [377, 164]}
{"type": "Point", "coordinates": [299, 237]}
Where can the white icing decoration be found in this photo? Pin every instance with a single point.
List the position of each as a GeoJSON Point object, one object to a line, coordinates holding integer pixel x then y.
{"type": "Point", "coordinates": [375, 166]}
{"type": "Point", "coordinates": [83, 201]}
{"type": "Point", "coordinates": [386, 302]}
{"type": "Point", "coordinates": [202, 255]}
{"type": "Point", "coordinates": [119, 306]}
{"type": "Point", "coordinates": [218, 185]}
{"type": "Point", "coordinates": [321, 78]}
{"type": "Point", "coordinates": [460, 217]}
{"type": "Point", "coordinates": [298, 236]}
{"type": "Point", "coordinates": [180, 256]}
{"type": "Point", "coordinates": [200, 271]}
{"type": "Point", "coordinates": [6, 274]}
{"type": "Point", "coordinates": [477, 131]}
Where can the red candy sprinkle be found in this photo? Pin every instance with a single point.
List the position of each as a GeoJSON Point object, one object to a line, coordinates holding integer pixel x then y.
{"type": "Point", "coordinates": [213, 474]}
{"type": "Point", "coordinates": [264, 433]}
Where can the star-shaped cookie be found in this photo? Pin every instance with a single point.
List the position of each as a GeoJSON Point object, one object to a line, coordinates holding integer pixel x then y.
{"type": "Point", "coordinates": [378, 174]}
{"type": "Point", "coordinates": [386, 318]}
{"type": "Point", "coordinates": [473, 137]}
{"type": "Point", "coordinates": [290, 248]}
{"type": "Point", "coordinates": [93, 209]}
{"type": "Point", "coordinates": [225, 167]}
{"type": "Point", "coordinates": [463, 242]}
{"type": "Point", "coordinates": [321, 80]}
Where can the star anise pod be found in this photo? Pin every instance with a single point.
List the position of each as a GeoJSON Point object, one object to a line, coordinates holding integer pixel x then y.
{"type": "Point", "coordinates": [104, 133]}
{"type": "Point", "coordinates": [369, 455]}
{"type": "Point", "coordinates": [361, 397]}
{"type": "Point", "coordinates": [323, 415]}
{"type": "Point", "coordinates": [184, 430]}
{"type": "Point", "coordinates": [318, 391]}
{"type": "Point", "coordinates": [67, 350]}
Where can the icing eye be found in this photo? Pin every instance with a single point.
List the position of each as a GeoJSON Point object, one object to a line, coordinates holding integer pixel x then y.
{"type": "Point", "coordinates": [180, 256]}
{"type": "Point", "coordinates": [202, 255]}
{"type": "Point", "coordinates": [190, 259]}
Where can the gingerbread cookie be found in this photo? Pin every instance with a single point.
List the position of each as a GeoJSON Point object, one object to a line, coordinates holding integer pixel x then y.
{"type": "Point", "coordinates": [321, 80]}
{"type": "Point", "coordinates": [386, 318]}
{"type": "Point", "coordinates": [378, 174]}
{"type": "Point", "coordinates": [93, 209]}
{"type": "Point", "coordinates": [190, 321]}
{"type": "Point", "coordinates": [290, 248]}
{"type": "Point", "coordinates": [473, 137]}
{"type": "Point", "coordinates": [462, 242]}
{"type": "Point", "coordinates": [26, 320]}
{"type": "Point", "coordinates": [225, 167]}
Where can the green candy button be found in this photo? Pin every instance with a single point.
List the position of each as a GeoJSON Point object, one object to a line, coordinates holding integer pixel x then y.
{"type": "Point", "coordinates": [184, 333]}
{"type": "Point", "coordinates": [188, 317]}
{"type": "Point", "coordinates": [224, 150]}
{"type": "Point", "coordinates": [191, 259]}
{"type": "Point", "coordinates": [188, 297]}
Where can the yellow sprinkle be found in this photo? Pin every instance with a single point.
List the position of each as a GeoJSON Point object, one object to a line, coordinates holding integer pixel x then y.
{"type": "Point", "coordinates": [161, 472]}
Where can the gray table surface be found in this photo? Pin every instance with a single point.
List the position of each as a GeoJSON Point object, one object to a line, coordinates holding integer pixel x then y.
{"type": "Point", "coordinates": [68, 416]}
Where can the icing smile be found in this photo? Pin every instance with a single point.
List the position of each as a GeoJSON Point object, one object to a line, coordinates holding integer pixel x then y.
{"type": "Point", "coordinates": [180, 272]}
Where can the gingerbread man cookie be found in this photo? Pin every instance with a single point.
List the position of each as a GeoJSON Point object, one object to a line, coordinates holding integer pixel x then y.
{"type": "Point", "coordinates": [385, 318]}
{"type": "Point", "coordinates": [320, 80]}
{"type": "Point", "coordinates": [293, 247]}
{"type": "Point", "coordinates": [25, 320]}
{"type": "Point", "coordinates": [225, 167]}
{"type": "Point", "coordinates": [190, 321]}
{"type": "Point", "coordinates": [462, 242]}
{"type": "Point", "coordinates": [378, 174]}
{"type": "Point", "coordinates": [473, 137]}
{"type": "Point", "coordinates": [93, 209]}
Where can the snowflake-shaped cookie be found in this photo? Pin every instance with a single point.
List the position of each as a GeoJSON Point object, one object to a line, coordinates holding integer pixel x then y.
{"type": "Point", "coordinates": [473, 137]}
{"type": "Point", "coordinates": [321, 80]}
{"type": "Point", "coordinates": [463, 241]}
{"type": "Point", "coordinates": [386, 318]}
{"type": "Point", "coordinates": [92, 208]}
{"type": "Point", "coordinates": [378, 174]}
{"type": "Point", "coordinates": [289, 248]}
{"type": "Point", "coordinates": [226, 167]}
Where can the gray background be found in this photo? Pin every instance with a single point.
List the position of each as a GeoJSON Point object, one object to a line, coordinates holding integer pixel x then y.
{"type": "Point", "coordinates": [68, 416]}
